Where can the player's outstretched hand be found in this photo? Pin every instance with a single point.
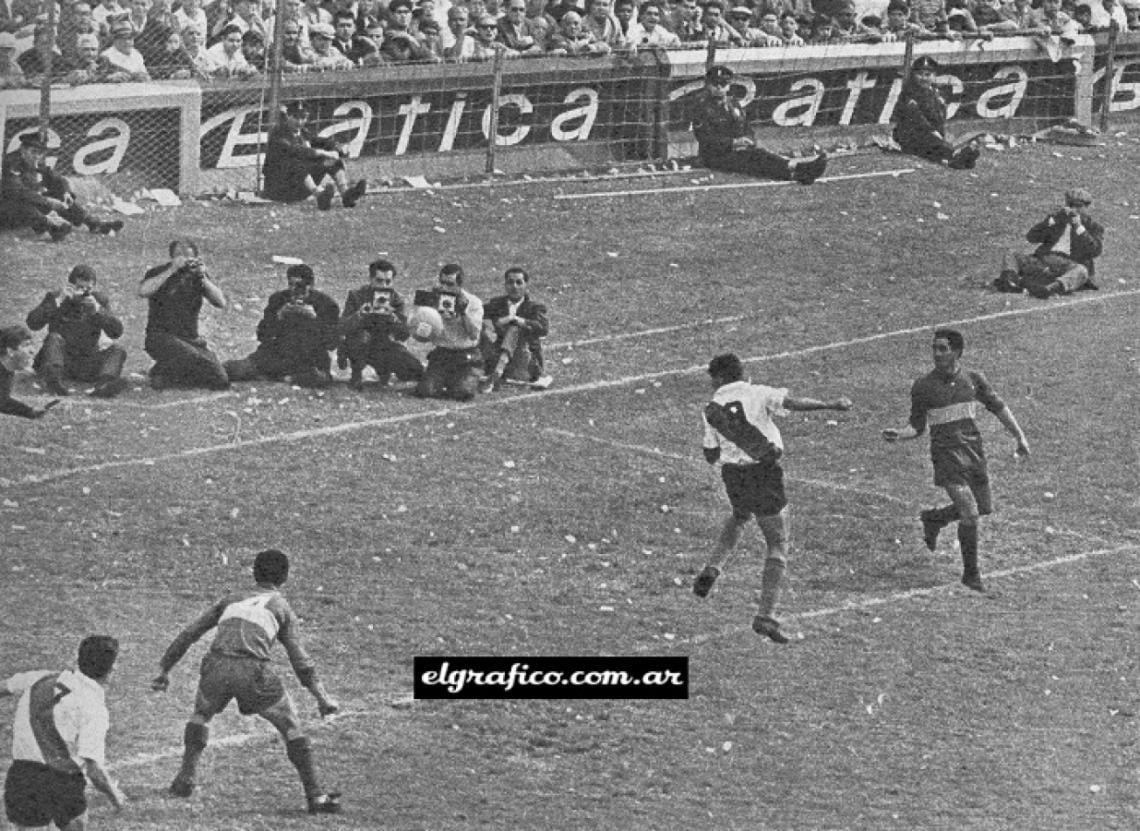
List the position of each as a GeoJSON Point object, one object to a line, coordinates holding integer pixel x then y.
{"type": "Point", "coordinates": [1022, 451]}
{"type": "Point", "coordinates": [161, 683]}
{"type": "Point", "coordinates": [327, 706]}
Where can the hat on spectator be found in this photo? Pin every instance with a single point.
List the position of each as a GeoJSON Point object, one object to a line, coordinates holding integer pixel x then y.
{"type": "Point", "coordinates": [485, 19]}
{"type": "Point", "coordinates": [924, 63]}
{"type": "Point", "coordinates": [122, 29]}
{"type": "Point", "coordinates": [7, 40]}
{"type": "Point", "coordinates": [741, 11]}
{"type": "Point", "coordinates": [252, 36]}
{"type": "Point", "coordinates": [718, 73]}
{"type": "Point", "coordinates": [321, 30]}
{"type": "Point", "coordinates": [898, 6]}
{"type": "Point", "coordinates": [33, 140]}
{"type": "Point", "coordinates": [1078, 197]}
{"type": "Point", "coordinates": [86, 39]}
{"type": "Point", "coordinates": [396, 5]}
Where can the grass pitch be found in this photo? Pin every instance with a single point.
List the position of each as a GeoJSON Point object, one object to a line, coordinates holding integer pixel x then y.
{"type": "Point", "coordinates": [571, 522]}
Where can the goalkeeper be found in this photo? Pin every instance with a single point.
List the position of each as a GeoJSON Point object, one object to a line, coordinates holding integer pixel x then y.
{"type": "Point", "coordinates": [237, 666]}
{"type": "Point", "coordinates": [740, 434]}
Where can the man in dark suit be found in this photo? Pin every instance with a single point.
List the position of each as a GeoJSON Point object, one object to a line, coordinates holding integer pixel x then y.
{"type": "Point", "coordinates": [375, 324]}
{"type": "Point", "coordinates": [1068, 240]}
{"type": "Point", "coordinates": [513, 328]}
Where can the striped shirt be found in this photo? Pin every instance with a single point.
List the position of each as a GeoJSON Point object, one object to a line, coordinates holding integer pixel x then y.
{"type": "Point", "coordinates": [61, 719]}
{"type": "Point", "coordinates": [948, 404]}
{"type": "Point", "coordinates": [248, 625]}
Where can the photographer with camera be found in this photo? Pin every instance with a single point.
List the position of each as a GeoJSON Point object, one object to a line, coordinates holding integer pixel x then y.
{"type": "Point", "coordinates": [375, 325]}
{"type": "Point", "coordinates": [513, 328]}
{"type": "Point", "coordinates": [451, 319]}
{"type": "Point", "coordinates": [296, 163]}
{"type": "Point", "coordinates": [295, 335]}
{"type": "Point", "coordinates": [175, 292]}
{"type": "Point", "coordinates": [1068, 240]}
{"type": "Point", "coordinates": [16, 350]}
{"type": "Point", "coordinates": [76, 316]}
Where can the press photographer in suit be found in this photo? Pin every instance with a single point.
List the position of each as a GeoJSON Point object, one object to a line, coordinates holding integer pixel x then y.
{"type": "Point", "coordinates": [76, 316]}
{"type": "Point", "coordinates": [375, 325]}
{"type": "Point", "coordinates": [451, 319]}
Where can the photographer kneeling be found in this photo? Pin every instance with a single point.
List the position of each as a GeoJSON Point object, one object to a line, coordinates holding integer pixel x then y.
{"type": "Point", "coordinates": [374, 325]}
{"type": "Point", "coordinates": [451, 319]}
{"type": "Point", "coordinates": [297, 331]}
{"type": "Point", "coordinates": [175, 292]}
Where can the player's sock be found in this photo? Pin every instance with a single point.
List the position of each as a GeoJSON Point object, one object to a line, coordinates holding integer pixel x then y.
{"type": "Point", "coordinates": [300, 753]}
{"type": "Point", "coordinates": [195, 738]}
{"type": "Point", "coordinates": [968, 540]}
{"type": "Point", "coordinates": [770, 585]}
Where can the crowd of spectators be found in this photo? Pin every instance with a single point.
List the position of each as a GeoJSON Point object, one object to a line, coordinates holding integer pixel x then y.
{"type": "Point", "coordinates": [179, 39]}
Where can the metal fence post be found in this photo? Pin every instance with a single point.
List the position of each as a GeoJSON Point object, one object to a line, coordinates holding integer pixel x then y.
{"type": "Point", "coordinates": [496, 92]}
{"type": "Point", "coordinates": [1109, 77]}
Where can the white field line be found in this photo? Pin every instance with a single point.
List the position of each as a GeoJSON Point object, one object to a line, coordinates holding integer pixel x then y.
{"type": "Point", "coordinates": [767, 183]}
{"type": "Point", "coordinates": [896, 597]}
{"type": "Point", "coordinates": [662, 454]}
{"type": "Point", "coordinates": [486, 402]}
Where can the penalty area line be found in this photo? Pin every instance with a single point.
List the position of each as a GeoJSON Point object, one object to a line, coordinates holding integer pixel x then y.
{"type": "Point", "coordinates": [767, 183]}
{"type": "Point", "coordinates": [896, 597]}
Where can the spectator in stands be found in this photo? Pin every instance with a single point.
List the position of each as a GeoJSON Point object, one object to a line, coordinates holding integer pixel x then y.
{"type": "Point", "coordinates": [77, 317]}
{"type": "Point", "coordinates": [454, 366]}
{"type": "Point", "coordinates": [375, 326]}
{"type": "Point", "coordinates": [960, 18]}
{"type": "Point", "coordinates": [401, 45]}
{"type": "Point", "coordinates": [629, 30]}
{"type": "Point", "coordinates": [173, 62]}
{"type": "Point", "coordinates": [78, 22]}
{"type": "Point", "coordinates": [253, 50]}
{"type": "Point", "coordinates": [1132, 13]}
{"type": "Point", "coordinates": [714, 27]}
{"type": "Point", "coordinates": [740, 20]}
{"type": "Point", "coordinates": [573, 40]}
{"type": "Point", "coordinates": [192, 43]}
{"type": "Point", "coordinates": [725, 142]}
{"type": "Point", "coordinates": [1068, 241]}
{"type": "Point", "coordinates": [486, 44]}
{"type": "Point", "coordinates": [1107, 12]}
{"type": "Point", "coordinates": [653, 31]}
{"type": "Point", "coordinates": [297, 331]}
{"type": "Point", "coordinates": [35, 196]}
{"type": "Point", "coordinates": [463, 41]}
{"type": "Point", "coordinates": [245, 16]}
{"type": "Point", "coordinates": [899, 26]}
{"type": "Point", "coordinates": [431, 36]}
{"type": "Point", "coordinates": [357, 48]}
{"type": "Point", "coordinates": [518, 32]}
{"type": "Point", "coordinates": [295, 57]}
{"type": "Point", "coordinates": [990, 16]}
{"type": "Point", "coordinates": [850, 30]}
{"type": "Point", "coordinates": [106, 13]}
{"type": "Point", "coordinates": [369, 13]}
{"type": "Point", "coordinates": [1057, 23]}
{"type": "Point", "coordinates": [513, 328]}
{"type": "Point", "coordinates": [174, 293]}
{"type": "Point", "coordinates": [823, 30]}
{"type": "Point", "coordinates": [1083, 15]}
{"type": "Point", "coordinates": [540, 19]}
{"type": "Point", "coordinates": [920, 120]}
{"type": "Point", "coordinates": [790, 30]}
{"type": "Point", "coordinates": [32, 62]}
{"type": "Point", "coordinates": [325, 58]}
{"type": "Point", "coordinates": [297, 164]}
{"type": "Point", "coordinates": [11, 75]}
{"type": "Point", "coordinates": [191, 13]}
{"type": "Point", "coordinates": [313, 14]}
{"type": "Point", "coordinates": [931, 15]}
{"type": "Point", "coordinates": [124, 63]}
{"type": "Point", "coordinates": [601, 22]}
{"type": "Point", "coordinates": [226, 57]}
{"type": "Point", "coordinates": [137, 13]}
{"type": "Point", "coordinates": [684, 20]}
{"type": "Point", "coordinates": [160, 22]}
{"type": "Point", "coordinates": [16, 14]}
{"type": "Point", "coordinates": [769, 25]}
{"type": "Point", "coordinates": [87, 68]}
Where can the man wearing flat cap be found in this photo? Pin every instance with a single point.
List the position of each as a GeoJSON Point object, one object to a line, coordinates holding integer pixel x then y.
{"type": "Point", "coordinates": [725, 142]}
{"type": "Point", "coordinates": [1068, 241]}
{"type": "Point", "coordinates": [125, 64]}
{"type": "Point", "coordinates": [33, 195]}
{"type": "Point", "coordinates": [76, 317]}
{"type": "Point", "coordinates": [297, 164]}
{"type": "Point", "coordinates": [920, 120]}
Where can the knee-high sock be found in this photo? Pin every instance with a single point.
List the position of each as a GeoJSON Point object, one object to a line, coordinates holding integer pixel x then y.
{"type": "Point", "coordinates": [968, 540]}
{"type": "Point", "coordinates": [300, 753]}
{"type": "Point", "coordinates": [195, 737]}
{"type": "Point", "coordinates": [770, 585]}
{"type": "Point", "coordinates": [944, 515]}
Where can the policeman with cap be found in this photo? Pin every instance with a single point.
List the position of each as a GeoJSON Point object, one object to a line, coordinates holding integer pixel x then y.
{"type": "Point", "coordinates": [33, 195]}
{"type": "Point", "coordinates": [920, 120]}
{"type": "Point", "coordinates": [725, 142]}
{"type": "Point", "coordinates": [297, 164]}
{"type": "Point", "coordinates": [1068, 240]}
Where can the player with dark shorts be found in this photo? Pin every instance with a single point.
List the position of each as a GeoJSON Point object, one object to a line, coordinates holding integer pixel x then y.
{"type": "Point", "coordinates": [739, 433]}
{"type": "Point", "coordinates": [58, 740]}
{"type": "Point", "coordinates": [946, 399]}
{"type": "Point", "coordinates": [237, 668]}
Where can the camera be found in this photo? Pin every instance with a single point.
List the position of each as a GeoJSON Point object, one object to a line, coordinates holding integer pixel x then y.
{"type": "Point", "coordinates": [381, 302]}
{"type": "Point", "coordinates": [298, 294]}
{"type": "Point", "coordinates": [444, 302]}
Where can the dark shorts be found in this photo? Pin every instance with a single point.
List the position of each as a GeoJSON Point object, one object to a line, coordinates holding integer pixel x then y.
{"type": "Point", "coordinates": [252, 683]}
{"type": "Point", "coordinates": [960, 466]}
{"type": "Point", "coordinates": [35, 795]}
{"type": "Point", "coordinates": [754, 489]}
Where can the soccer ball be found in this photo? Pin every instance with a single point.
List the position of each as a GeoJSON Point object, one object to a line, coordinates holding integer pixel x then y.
{"type": "Point", "coordinates": [425, 324]}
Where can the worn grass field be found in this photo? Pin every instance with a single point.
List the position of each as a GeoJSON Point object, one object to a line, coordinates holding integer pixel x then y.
{"type": "Point", "coordinates": [571, 522]}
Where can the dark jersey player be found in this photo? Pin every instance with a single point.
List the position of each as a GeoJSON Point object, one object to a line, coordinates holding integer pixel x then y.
{"type": "Point", "coordinates": [237, 666]}
{"type": "Point", "coordinates": [946, 400]}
